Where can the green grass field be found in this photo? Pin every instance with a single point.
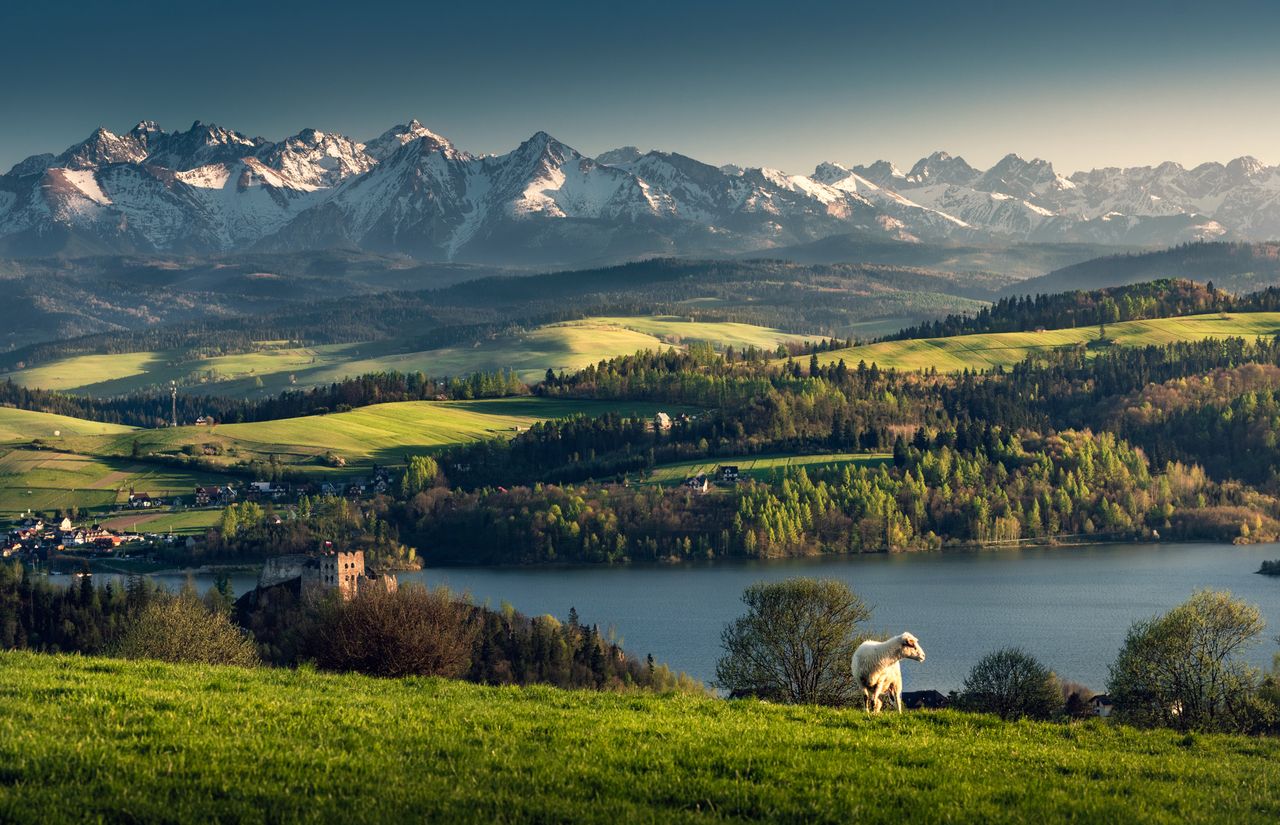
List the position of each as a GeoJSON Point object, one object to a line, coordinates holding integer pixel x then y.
{"type": "Point", "coordinates": [180, 522]}
{"type": "Point", "coordinates": [566, 346]}
{"type": "Point", "coordinates": [85, 739]}
{"type": "Point", "coordinates": [1005, 349]}
{"type": "Point", "coordinates": [382, 433]}
{"type": "Point", "coordinates": [48, 480]}
{"type": "Point", "coordinates": [26, 425]}
{"type": "Point", "coordinates": [759, 467]}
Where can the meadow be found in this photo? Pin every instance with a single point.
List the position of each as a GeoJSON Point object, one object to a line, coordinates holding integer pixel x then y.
{"type": "Point", "coordinates": [90, 739]}
{"type": "Point", "coordinates": [566, 346]}
{"type": "Point", "coordinates": [53, 480]}
{"type": "Point", "coordinates": [761, 467]}
{"type": "Point", "coordinates": [381, 433]}
{"type": "Point", "coordinates": [25, 425]}
{"type": "Point", "coordinates": [1004, 349]}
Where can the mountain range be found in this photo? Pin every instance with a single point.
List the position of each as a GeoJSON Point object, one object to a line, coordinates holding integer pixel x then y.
{"type": "Point", "coordinates": [210, 190]}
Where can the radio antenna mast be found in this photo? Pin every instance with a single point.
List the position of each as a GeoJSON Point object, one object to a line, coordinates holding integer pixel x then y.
{"type": "Point", "coordinates": [173, 392]}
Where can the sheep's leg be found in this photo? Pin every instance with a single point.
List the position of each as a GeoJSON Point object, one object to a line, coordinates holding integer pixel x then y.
{"type": "Point", "coordinates": [876, 701]}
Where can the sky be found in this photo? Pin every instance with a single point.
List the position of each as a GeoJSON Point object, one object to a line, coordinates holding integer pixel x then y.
{"type": "Point", "coordinates": [781, 84]}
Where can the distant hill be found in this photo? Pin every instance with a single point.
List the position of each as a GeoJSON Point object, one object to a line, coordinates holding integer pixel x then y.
{"type": "Point", "coordinates": [984, 351]}
{"type": "Point", "coordinates": [1019, 260]}
{"type": "Point", "coordinates": [51, 298]}
{"type": "Point", "coordinates": [844, 300]}
{"type": "Point", "coordinates": [1235, 267]}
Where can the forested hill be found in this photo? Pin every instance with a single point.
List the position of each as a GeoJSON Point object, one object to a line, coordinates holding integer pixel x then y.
{"type": "Point", "coordinates": [818, 300]}
{"type": "Point", "coordinates": [1235, 267]}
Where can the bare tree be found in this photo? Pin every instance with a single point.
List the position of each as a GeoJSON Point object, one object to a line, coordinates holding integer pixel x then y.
{"type": "Point", "coordinates": [794, 644]}
{"type": "Point", "coordinates": [410, 632]}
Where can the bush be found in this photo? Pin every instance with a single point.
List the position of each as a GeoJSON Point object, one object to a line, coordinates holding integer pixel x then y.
{"type": "Point", "coordinates": [410, 632]}
{"type": "Point", "coordinates": [795, 644]}
{"type": "Point", "coordinates": [1012, 684]}
{"type": "Point", "coordinates": [182, 629]}
{"type": "Point", "coordinates": [1184, 670]}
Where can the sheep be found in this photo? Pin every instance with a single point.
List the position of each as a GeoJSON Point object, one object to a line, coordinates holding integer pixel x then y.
{"type": "Point", "coordinates": [876, 667]}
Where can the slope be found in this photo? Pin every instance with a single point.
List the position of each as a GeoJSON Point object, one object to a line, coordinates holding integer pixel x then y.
{"type": "Point", "coordinates": [98, 739]}
{"type": "Point", "coordinates": [1004, 349]}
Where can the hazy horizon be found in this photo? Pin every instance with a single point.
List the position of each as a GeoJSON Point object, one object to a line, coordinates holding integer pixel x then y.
{"type": "Point", "coordinates": [1112, 84]}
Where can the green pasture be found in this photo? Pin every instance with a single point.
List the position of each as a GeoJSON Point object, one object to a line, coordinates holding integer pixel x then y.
{"type": "Point", "coordinates": [381, 433]}
{"type": "Point", "coordinates": [1004, 349]}
{"type": "Point", "coordinates": [567, 346]}
{"type": "Point", "coordinates": [760, 467]}
{"type": "Point", "coordinates": [98, 740]}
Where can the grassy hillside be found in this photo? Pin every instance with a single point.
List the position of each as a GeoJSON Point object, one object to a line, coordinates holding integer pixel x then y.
{"type": "Point", "coordinates": [26, 425]}
{"type": "Point", "coordinates": [1007, 348]}
{"type": "Point", "coordinates": [96, 739]}
{"type": "Point", "coordinates": [565, 346]}
{"type": "Point", "coordinates": [50, 480]}
{"type": "Point", "coordinates": [760, 467]}
{"type": "Point", "coordinates": [382, 433]}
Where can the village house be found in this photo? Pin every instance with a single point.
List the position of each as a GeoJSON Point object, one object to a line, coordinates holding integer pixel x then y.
{"type": "Point", "coordinates": [697, 483]}
{"type": "Point", "coordinates": [727, 473]}
{"type": "Point", "coordinates": [924, 700]}
{"type": "Point", "coordinates": [139, 501]}
{"type": "Point", "coordinates": [662, 421]}
{"type": "Point", "coordinates": [1101, 704]}
{"type": "Point", "coordinates": [215, 495]}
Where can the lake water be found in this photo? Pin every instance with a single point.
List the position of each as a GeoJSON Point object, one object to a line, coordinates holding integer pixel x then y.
{"type": "Point", "coordinates": [1070, 607]}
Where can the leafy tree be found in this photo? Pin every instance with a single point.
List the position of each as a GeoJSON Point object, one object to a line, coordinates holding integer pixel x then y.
{"type": "Point", "coordinates": [1012, 684]}
{"type": "Point", "coordinates": [795, 643]}
{"type": "Point", "coordinates": [1184, 669]}
{"type": "Point", "coordinates": [182, 629]}
{"type": "Point", "coordinates": [418, 475]}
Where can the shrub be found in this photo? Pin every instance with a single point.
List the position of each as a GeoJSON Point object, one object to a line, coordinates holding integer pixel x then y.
{"type": "Point", "coordinates": [409, 632]}
{"type": "Point", "coordinates": [1184, 670]}
{"type": "Point", "coordinates": [795, 643]}
{"type": "Point", "coordinates": [1012, 684]}
{"type": "Point", "coordinates": [182, 629]}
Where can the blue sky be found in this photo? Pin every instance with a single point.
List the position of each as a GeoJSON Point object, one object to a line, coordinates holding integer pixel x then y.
{"type": "Point", "coordinates": [783, 84]}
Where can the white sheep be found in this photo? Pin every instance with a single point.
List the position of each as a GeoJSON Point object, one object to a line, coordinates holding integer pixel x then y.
{"type": "Point", "coordinates": [875, 666]}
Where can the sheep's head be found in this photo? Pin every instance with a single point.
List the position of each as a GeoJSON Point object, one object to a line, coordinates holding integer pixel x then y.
{"type": "Point", "coordinates": [911, 648]}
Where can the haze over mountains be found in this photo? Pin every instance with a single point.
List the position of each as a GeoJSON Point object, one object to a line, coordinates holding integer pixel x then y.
{"type": "Point", "coordinates": [210, 190]}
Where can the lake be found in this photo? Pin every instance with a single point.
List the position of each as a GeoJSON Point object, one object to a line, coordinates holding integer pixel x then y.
{"type": "Point", "coordinates": [1070, 607]}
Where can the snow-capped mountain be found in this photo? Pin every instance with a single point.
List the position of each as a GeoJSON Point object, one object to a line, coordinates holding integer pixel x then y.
{"type": "Point", "coordinates": [212, 190]}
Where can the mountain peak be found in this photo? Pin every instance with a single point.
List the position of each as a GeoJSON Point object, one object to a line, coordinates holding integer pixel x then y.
{"type": "Point", "coordinates": [389, 142]}
{"type": "Point", "coordinates": [623, 154]}
{"type": "Point", "coordinates": [1246, 167]}
{"type": "Point", "coordinates": [829, 172]}
{"type": "Point", "coordinates": [942, 167]}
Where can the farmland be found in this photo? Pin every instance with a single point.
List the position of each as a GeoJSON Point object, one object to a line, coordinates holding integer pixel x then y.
{"type": "Point", "coordinates": [564, 346]}
{"type": "Point", "coordinates": [381, 433]}
{"type": "Point", "coordinates": [26, 425]}
{"type": "Point", "coordinates": [760, 468]}
{"type": "Point", "coordinates": [97, 468]}
{"type": "Point", "coordinates": [1004, 349]}
{"type": "Point", "coordinates": [150, 742]}
{"type": "Point", "coordinates": [50, 480]}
